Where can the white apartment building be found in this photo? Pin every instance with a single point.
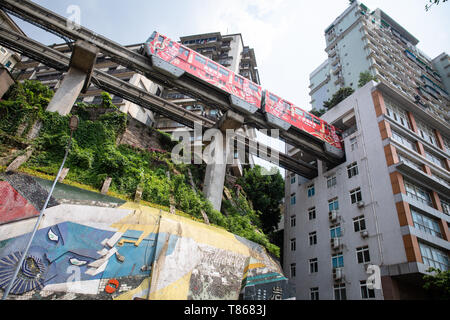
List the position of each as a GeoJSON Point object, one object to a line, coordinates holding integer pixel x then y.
{"type": "Point", "coordinates": [363, 40]}
{"type": "Point", "coordinates": [388, 204]}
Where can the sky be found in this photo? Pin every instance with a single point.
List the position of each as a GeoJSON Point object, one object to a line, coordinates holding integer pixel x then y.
{"type": "Point", "coordinates": [287, 35]}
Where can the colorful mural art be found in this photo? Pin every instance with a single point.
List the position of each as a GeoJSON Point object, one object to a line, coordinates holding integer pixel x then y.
{"type": "Point", "coordinates": [134, 252]}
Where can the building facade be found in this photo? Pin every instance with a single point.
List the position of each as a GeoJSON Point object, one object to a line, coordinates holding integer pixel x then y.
{"type": "Point", "coordinates": [388, 204]}
{"type": "Point", "coordinates": [362, 40]}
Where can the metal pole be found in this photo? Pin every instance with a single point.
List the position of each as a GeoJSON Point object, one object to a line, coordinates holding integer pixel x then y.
{"type": "Point", "coordinates": [22, 258]}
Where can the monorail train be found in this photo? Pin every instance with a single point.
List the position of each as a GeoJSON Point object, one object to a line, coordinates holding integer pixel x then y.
{"type": "Point", "coordinates": [174, 59]}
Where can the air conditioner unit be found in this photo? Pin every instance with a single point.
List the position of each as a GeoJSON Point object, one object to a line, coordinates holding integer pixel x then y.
{"type": "Point", "coordinates": [338, 274]}
{"type": "Point", "coordinates": [364, 233]}
{"type": "Point", "coordinates": [332, 215]}
{"type": "Point", "coordinates": [360, 204]}
{"type": "Point", "coordinates": [335, 243]}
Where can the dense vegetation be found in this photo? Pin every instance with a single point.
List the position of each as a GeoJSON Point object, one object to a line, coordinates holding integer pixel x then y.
{"type": "Point", "coordinates": [94, 155]}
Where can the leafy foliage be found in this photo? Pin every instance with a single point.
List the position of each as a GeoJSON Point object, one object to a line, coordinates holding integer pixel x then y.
{"type": "Point", "coordinates": [338, 96]}
{"type": "Point", "coordinates": [318, 113]}
{"type": "Point", "coordinates": [365, 77]}
{"type": "Point", "coordinates": [266, 193]}
{"type": "Point", "coordinates": [94, 156]}
{"type": "Point", "coordinates": [438, 285]}
{"type": "Point", "coordinates": [431, 2]}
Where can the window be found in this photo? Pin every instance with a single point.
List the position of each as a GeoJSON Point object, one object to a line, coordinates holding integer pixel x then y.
{"type": "Point", "coordinates": [340, 292]}
{"type": "Point", "coordinates": [337, 260]}
{"type": "Point", "coordinates": [333, 204]}
{"type": "Point", "coordinates": [253, 87]}
{"type": "Point", "coordinates": [273, 98]}
{"type": "Point", "coordinates": [312, 213]}
{"type": "Point", "coordinates": [445, 206]}
{"type": "Point", "coordinates": [426, 132]}
{"type": "Point", "coordinates": [8, 64]}
{"type": "Point", "coordinates": [335, 231]}
{"type": "Point", "coordinates": [293, 270]}
{"type": "Point", "coordinates": [312, 238]}
{"type": "Point", "coordinates": [200, 59]}
{"type": "Point", "coordinates": [314, 293]}
{"type": "Point", "coordinates": [224, 72]}
{"type": "Point", "coordinates": [331, 181]}
{"type": "Point", "coordinates": [426, 224]}
{"type": "Point", "coordinates": [418, 193]}
{"type": "Point", "coordinates": [436, 160]}
{"type": "Point", "coordinates": [434, 257]}
{"type": "Point", "coordinates": [359, 223]}
{"type": "Point", "coordinates": [292, 178]}
{"type": "Point", "coordinates": [397, 113]}
{"type": "Point", "coordinates": [352, 170]}
{"type": "Point", "coordinates": [293, 221]}
{"type": "Point", "coordinates": [212, 65]}
{"type": "Point", "coordinates": [403, 141]}
{"type": "Point", "coordinates": [353, 143]}
{"type": "Point", "coordinates": [313, 265]}
{"type": "Point", "coordinates": [183, 52]}
{"type": "Point", "coordinates": [311, 191]}
{"type": "Point", "coordinates": [355, 195]}
{"type": "Point", "coordinates": [239, 80]}
{"type": "Point", "coordinates": [366, 293]}
{"type": "Point", "coordinates": [293, 199]}
{"type": "Point", "coordinates": [362, 254]}
{"type": "Point", "coordinates": [293, 244]}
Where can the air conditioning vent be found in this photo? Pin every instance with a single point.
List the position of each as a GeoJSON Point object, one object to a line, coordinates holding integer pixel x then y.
{"type": "Point", "coordinates": [361, 204]}
{"type": "Point", "coordinates": [364, 234]}
{"type": "Point", "coordinates": [338, 274]}
{"type": "Point", "coordinates": [332, 215]}
{"type": "Point", "coordinates": [335, 243]}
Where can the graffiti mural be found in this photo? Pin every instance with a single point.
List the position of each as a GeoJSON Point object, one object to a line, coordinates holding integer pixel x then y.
{"type": "Point", "coordinates": [133, 252]}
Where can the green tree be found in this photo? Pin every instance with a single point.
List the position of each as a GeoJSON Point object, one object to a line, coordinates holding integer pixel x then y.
{"type": "Point", "coordinates": [437, 284]}
{"type": "Point", "coordinates": [266, 193]}
{"type": "Point", "coordinates": [338, 96]}
{"type": "Point", "coordinates": [365, 77]}
{"type": "Point", "coordinates": [318, 113]}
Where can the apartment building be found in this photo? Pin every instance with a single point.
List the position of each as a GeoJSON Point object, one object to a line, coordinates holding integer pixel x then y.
{"type": "Point", "coordinates": [363, 40]}
{"type": "Point", "coordinates": [388, 204]}
{"type": "Point", "coordinates": [29, 69]}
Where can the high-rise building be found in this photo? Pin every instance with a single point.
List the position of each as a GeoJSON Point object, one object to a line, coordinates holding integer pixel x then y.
{"type": "Point", "coordinates": [362, 40]}
{"type": "Point", "coordinates": [388, 205]}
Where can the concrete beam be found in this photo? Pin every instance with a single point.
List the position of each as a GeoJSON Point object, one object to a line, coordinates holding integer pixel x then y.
{"type": "Point", "coordinates": [77, 78]}
{"type": "Point", "coordinates": [6, 80]}
{"type": "Point", "coordinates": [216, 169]}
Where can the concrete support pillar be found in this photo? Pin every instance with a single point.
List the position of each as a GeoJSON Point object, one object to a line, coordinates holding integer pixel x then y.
{"type": "Point", "coordinates": [77, 78]}
{"type": "Point", "coordinates": [221, 151]}
{"type": "Point", "coordinates": [6, 80]}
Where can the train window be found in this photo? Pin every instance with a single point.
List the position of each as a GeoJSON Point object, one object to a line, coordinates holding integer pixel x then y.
{"type": "Point", "coordinates": [316, 121]}
{"type": "Point", "coordinates": [273, 98]}
{"type": "Point", "coordinates": [161, 39]}
{"type": "Point", "coordinates": [286, 105]}
{"type": "Point", "coordinates": [200, 59]}
{"type": "Point", "coordinates": [224, 72]}
{"type": "Point", "coordinates": [212, 65]}
{"type": "Point", "coordinates": [253, 87]}
{"type": "Point", "coordinates": [240, 80]}
{"type": "Point", "coordinates": [170, 43]}
{"type": "Point", "coordinates": [152, 37]}
{"type": "Point", "coordinates": [183, 52]}
{"type": "Point", "coordinates": [308, 116]}
{"type": "Point", "coordinates": [299, 112]}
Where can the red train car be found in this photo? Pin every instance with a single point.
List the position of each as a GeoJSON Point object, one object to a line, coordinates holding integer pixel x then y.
{"type": "Point", "coordinates": [285, 115]}
{"type": "Point", "coordinates": [175, 59]}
